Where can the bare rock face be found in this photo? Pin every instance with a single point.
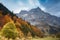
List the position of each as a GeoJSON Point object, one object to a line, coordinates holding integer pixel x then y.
{"type": "Point", "coordinates": [43, 20]}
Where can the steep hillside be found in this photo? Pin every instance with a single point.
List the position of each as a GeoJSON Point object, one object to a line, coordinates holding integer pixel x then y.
{"type": "Point", "coordinates": [24, 28]}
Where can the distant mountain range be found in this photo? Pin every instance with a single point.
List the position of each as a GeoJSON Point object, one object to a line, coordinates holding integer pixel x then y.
{"type": "Point", "coordinates": [47, 23]}
{"type": "Point", "coordinates": [24, 28]}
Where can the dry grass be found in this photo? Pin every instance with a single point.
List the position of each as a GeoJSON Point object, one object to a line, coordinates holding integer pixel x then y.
{"type": "Point", "coordinates": [46, 38]}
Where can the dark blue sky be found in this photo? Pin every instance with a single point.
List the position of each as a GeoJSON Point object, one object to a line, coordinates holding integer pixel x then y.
{"type": "Point", "coordinates": [49, 3]}
{"type": "Point", "coordinates": [51, 6]}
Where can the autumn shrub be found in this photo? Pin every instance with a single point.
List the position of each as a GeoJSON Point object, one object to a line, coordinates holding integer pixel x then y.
{"type": "Point", "coordinates": [9, 31]}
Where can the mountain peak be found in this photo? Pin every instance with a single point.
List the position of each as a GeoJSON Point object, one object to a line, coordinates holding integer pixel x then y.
{"type": "Point", "coordinates": [36, 9]}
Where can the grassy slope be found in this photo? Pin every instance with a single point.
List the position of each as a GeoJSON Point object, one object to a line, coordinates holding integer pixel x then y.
{"type": "Point", "coordinates": [47, 38]}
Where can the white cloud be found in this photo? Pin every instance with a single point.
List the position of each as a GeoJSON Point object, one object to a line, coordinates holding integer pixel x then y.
{"type": "Point", "coordinates": [41, 6]}
{"type": "Point", "coordinates": [31, 2]}
{"type": "Point", "coordinates": [35, 3]}
{"type": "Point", "coordinates": [20, 5]}
{"type": "Point", "coordinates": [55, 9]}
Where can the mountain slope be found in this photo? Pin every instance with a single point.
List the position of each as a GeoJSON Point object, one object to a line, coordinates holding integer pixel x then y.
{"type": "Point", "coordinates": [41, 19]}
{"type": "Point", "coordinates": [24, 28]}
